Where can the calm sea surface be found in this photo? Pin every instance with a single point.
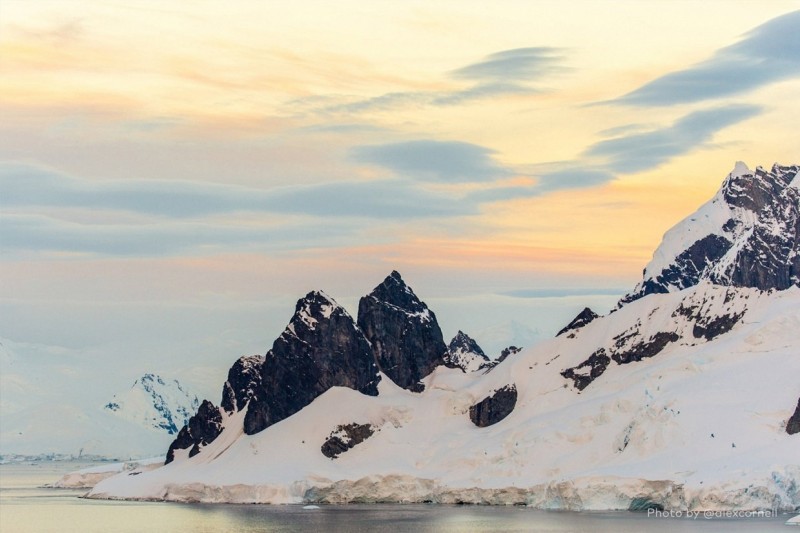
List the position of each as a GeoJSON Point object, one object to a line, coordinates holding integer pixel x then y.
{"type": "Point", "coordinates": [26, 506]}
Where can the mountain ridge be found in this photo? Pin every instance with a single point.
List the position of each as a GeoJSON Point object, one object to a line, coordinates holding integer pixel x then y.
{"type": "Point", "coordinates": [606, 410]}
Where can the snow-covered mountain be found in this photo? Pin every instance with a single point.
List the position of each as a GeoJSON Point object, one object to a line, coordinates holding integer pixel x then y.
{"type": "Point", "coordinates": [154, 402]}
{"type": "Point", "coordinates": [465, 353]}
{"type": "Point", "coordinates": [47, 412]}
{"type": "Point", "coordinates": [682, 398]}
{"type": "Point", "coordinates": [745, 236]}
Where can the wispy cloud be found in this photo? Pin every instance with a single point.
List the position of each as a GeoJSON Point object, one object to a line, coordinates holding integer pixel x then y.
{"type": "Point", "coordinates": [634, 151]}
{"type": "Point", "coordinates": [381, 199]}
{"type": "Point", "coordinates": [767, 54]}
{"type": "Point", "coordinates": [39, 233]}
{"type": "Point", "coordinates": [520, 64]}
{"type": "Point", "coordinates": [431, 160]}
{"type": "Point", "coordinates": [643, 151]}
{"type": "Point", "coordinates": [509, 72]}
{"type": "Point", "coordinates": [27, 186]}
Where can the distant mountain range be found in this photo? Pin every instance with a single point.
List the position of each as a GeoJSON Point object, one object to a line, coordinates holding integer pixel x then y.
{"type": "Point", "coordinates": [685, 396]}
{"type": "Point", "coordinates": [43, 418]}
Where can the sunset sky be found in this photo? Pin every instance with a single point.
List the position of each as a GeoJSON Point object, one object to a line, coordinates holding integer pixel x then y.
{"type": "Point", "coordinates": [174, 175]}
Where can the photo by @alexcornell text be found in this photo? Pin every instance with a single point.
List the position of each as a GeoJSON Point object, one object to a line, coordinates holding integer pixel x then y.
{"type": "Point", "coordinates": [710, 515]}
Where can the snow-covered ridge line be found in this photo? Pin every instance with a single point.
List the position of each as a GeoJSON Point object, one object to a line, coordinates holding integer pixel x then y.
{"type": "Point", "coordinates": [745, 236]}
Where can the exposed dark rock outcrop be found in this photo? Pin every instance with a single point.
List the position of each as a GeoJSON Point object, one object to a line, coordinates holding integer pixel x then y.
{"type": "Point", "coordinates": [345, 437]}
{"type": "Point", "coordinates": [494, 408]}
{"type": "Point", "coordinates": [583, 318]}
{"type": "Point", "coordinates": [203, 428]}
{"type": "Point", "coordinates": [686, 270]}
{"type": "Point", "coordinates": [770, 255]}
{"type": "Point", "coordinates": [591, 369]}
{"type": "Point", "coordinates": [716, 326]}
{"type": "Point", "coordinates": [404, 334]}
{"type": "Point", "coordinates": [793, 424]}
{"type": "Point", "coordinates": [319, 349]}
{"type": "Point", "coordinates": [463, 352]}
{"type": "Point", "coordinates": [511, 350]}
{"type": "Point", "coordinates": [244, 383]}
{"type": "Point", "coordinates": [648, 348]}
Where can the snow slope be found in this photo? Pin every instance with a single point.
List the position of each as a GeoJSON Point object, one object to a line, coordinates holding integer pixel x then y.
{"type": "Point", "coordinates": [699, 425]}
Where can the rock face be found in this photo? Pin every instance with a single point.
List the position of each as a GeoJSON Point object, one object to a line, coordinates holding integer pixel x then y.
{"type": "Point", "coordinates": [494, 408]}
{"type": "Point", "coordinates": [319, 349]}
{"type": "Point", "coordinates": [591, 369]}
{"type": "Point", "coordinates": [793, 425]}
{"type": "Point", "coordinates": [322, 347]}
{"type": "Point", "coordinates": [748, 235]}
{"type": "Point", "coordinates": [244, 383]}
{"type": "Point", "coordinates": [647, 348]}
{"type": "Point", "coordinates": [202, 428]}
{"type": "Point", "coordinates": [345, 437]}
{"type": "Point", "coordinates": [404, 334]}
{"type": "Point", "coordinates": [511, 350]}
{"type": "Point", "coordinates": [583, 318]}
{"type": "Point", "coordinates": [464, 353]}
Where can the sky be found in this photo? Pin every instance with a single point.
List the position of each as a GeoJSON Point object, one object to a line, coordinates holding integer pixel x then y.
{"type": "Point", "coordinates": [174, 175]}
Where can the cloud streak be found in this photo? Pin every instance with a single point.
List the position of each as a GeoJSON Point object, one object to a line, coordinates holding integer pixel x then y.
{"type": "Point", "coordinates": [769, 53]}
{"type": "Point", "coordinates": [509, 72]}
{"type": "Point", "coordinates": [629, 153]}
{"type": "Point", "coordinates": [25, 186]}
{"type": "Point", "coordinates": [643, 151]}
{"type": "Point", "coordinates": [45, 234]}
{"type": "Point", "coordinates": [430, 160]}
{"type": "Point", "coordinates": [520, 65]}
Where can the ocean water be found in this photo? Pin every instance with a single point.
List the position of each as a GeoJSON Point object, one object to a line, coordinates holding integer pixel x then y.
{"type": "Point", "coordinates": [26, 506]}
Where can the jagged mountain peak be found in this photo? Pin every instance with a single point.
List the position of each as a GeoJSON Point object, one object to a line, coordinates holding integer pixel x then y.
{"type": "Point", "coordinates": [312, 309]}
{"type": "Point", "coordinates": [404, 334]}
{"type": "Point", "coordinates": [747, 235]}
{"type": "Point", "coordinates": [317, 303]}
{"type": "Point", "coordinates": [395, 292]}
{"type": "Point", "coordinates": [463, 352]}
{"type": "Point", "coordinates": [155, 402]}
{"type": "Point", "coordinates": [583, 318]}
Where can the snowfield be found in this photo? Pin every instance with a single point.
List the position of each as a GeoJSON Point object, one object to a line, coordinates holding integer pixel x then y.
{"type": "Point", "coordinates": [700, 425]}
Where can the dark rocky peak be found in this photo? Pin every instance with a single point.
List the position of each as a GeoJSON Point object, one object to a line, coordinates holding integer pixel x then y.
{"type": "Point", "coordinates": [755, 190]}
{"type": "Point", "coordinates": [583, 318]}
{"type": "Point", "coordinates": [748, 235]}
{"type": "Point", "coordinates": [394, 292]}
{"type": "Point", "coordinates": [464, 353]}
{"type": "Point", "coordinates": [244, 382]}
{"type": "Point", "coordinates": [202, 429]}
{"type": "Point", "coordinates": [464, 342]}
{"type": "Point", "coordinates": [310, 310]}
{"type": "Point", "coordinates": [404, 334]}
{"type": "Point", "coordinates": [320, 348]}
